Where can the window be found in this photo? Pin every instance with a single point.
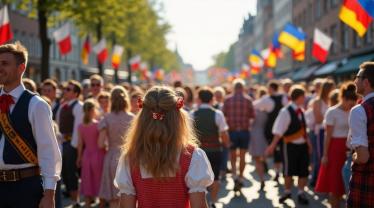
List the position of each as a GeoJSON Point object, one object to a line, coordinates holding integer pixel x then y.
{"type": "Point", "coordinates": [369, 35]}
{"type": "Point", "coordinates": [356, 40]}
{"type": "Point", "coordinates": [318, 9]}
{"type": "Point", "coordinates": [333, 35]}
{"type": "Point", "coordinates": [325, 6]}
{"type": "Point", "coordinates": [344, 37]}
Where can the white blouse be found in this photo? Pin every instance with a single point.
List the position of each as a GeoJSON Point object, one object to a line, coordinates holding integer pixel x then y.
{"type": "Point", "coordinates": [198, 177]}
{"type": "Point", "coordinates": [337, 118]}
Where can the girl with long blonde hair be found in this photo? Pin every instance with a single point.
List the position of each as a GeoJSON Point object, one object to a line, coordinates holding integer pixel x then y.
{"type": "Point", "coordinates": [161, 165]}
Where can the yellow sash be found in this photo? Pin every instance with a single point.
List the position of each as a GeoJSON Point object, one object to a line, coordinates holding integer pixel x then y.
{"type": "Point", "coordinates": [16, 141]}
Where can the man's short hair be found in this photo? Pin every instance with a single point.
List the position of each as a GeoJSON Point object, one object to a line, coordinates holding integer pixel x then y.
{"type": "Point", "coordinates": [205, 94]}
{"type": "Point", "coordinates": [98, 78]}
{"type": "Point", "coordinates": [50, 82]}
{"type": "Point", "coordinates": [77, 86]}
{"type": "Point", "coordinates": [368, 72]}
{"type": "Point", "coordinates": [238, 83]}
{"type": "Point", "coordinates": [296, 92]}
{"type": "Point", "coordinates": [273, 84]}
{"type": "Point", "coordinates": [18, 50]}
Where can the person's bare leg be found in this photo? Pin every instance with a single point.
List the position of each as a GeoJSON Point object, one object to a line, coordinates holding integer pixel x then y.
{"type": "Point", "coordinates": [242, 162]}
{"type": "Point", "coordinates": [260, 167]}
{"type": "Point", "coordinates": [87, 202]}
{"type": "Point", "coordinates": [74, 196]}
{"type": "Point", "coordinates": [233, 163]}
{"type": "Point", "coordinates": [101, 203]}
{"type": "Point", "coordinates": [301, 183]}
{"type": "Point", "coordinates": [287, 183]}
{"type": "Point", "coordinates": [335, 200]}
{"type": "Point", "coordinates": [114, 203]}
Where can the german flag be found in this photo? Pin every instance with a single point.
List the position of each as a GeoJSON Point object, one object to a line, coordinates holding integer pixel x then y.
{"type": "Point", "coordinates": [86, 49]}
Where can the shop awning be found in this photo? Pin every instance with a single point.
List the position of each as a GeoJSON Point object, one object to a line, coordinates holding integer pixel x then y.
{"type": "Point", "coordinates": [326, 69]}
{"type": "Point", "coordinates": [353, 64]}
{"type": "Point", "coordinates": [305, 73]}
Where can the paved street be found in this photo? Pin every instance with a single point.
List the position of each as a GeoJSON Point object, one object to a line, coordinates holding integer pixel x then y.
{"type": "Point", "coordinates": [252, 197]}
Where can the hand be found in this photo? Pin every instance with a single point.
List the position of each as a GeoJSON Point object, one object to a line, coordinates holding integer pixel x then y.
{"type": "Point", "coordinates": [78, 162]}
{"type": "Point", "coordinates": [324, 160]}
{"type": "Point", "coordinates": [227, 144]}
{"type": "Point", "coordinates": [310, 148]}
{"type": "Point", "coordinates": [269, 150]}
{"type": "Point", "coordinates": [48, 199]}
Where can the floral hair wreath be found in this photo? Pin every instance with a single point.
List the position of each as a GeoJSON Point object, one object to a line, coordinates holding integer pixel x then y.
{"type": "Point", "coordinates": [160, 116]}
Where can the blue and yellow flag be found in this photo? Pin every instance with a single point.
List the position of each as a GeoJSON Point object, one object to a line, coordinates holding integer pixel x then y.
{"type": "Point", "coordinates": [293, 38]}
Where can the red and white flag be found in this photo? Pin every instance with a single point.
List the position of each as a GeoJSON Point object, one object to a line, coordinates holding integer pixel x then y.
{"type": "Point", "coordinates": [135, 62]}
{"type": "Point", "coordinates": [101, 51]}
{"type": "Point", "coordinates": [321, 45]}
{"type": "Point", "coordinates": [5, 29]}
{"type": "Point", "coordinates": [63, 39]}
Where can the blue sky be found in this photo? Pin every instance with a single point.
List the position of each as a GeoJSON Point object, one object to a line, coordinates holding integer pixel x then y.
{"type": "Point", "coordinates": [203, 28]}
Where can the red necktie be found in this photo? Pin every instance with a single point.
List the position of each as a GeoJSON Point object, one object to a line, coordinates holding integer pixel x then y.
{"type": "Point", "coordinates": [299, 112]}
{"type": "Point", "coordinates": [5, 102]}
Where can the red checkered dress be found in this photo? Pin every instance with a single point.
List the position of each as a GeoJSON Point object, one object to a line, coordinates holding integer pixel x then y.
{"type": "Point", "coordinates": [361, 187]}
{"type": "Point", "coordinates": [169, 193]}
{"type": "Point", "coordinates": [238, 110]}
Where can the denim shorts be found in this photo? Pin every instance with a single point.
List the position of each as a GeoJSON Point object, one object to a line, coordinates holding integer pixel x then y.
{"type": "Point", "coordinates": [239, 139]}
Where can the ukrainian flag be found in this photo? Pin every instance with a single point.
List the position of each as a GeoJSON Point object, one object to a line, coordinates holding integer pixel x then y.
{"type": "Point", "coordinates": [255, 59]}
{"type": "Point", "coordinates": [358, 14]}
{"type": "Point", "coordinates": [292, 37]}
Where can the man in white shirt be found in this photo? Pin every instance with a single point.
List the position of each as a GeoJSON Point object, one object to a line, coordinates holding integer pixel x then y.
{"type": "Point", "coordinates": [69, 117]}
{"type": "Point", "coordinates": [361, 126]}
{"type": "Point", "coordinates": [212, 131]}
{"type": "Point", "coordinates": [31, 118]}
{"type": "Point", "coordinates": [290, 126]}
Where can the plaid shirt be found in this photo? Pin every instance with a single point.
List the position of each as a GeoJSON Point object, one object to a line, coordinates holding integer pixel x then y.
{"type": "Point", "coordinates": [238, 110]}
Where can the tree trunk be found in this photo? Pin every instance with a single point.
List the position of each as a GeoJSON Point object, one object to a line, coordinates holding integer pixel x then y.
{"type": "Point", "coordinates": [99, 35]}
{"type": "Point", "coordinates": [129, 56]}
{"type": "Point", "coordinates": [45, 41]}
{"type": "Point", "coordinates": [116, 79]}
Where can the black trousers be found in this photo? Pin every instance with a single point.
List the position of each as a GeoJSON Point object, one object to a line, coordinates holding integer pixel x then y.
{"type": "Point", "coordinates": [24, 193]}
{"type": "Point", "coordinates": [69, 170]}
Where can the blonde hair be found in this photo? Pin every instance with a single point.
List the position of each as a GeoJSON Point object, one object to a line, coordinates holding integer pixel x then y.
{"type": "Point", "coordinates": [88, 106]}
{"type": "Point", "coordinates": [120, 100]}
{"type": "Point", "coordinates": [154, 144]}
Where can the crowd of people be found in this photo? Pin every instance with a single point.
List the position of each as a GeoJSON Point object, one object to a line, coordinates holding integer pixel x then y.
{"type": "Point", "coordinates": [167, 146]}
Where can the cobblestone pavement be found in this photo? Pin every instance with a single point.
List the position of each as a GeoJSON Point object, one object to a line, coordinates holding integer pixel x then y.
{"type": "Point", "coordinates": [250, 195]}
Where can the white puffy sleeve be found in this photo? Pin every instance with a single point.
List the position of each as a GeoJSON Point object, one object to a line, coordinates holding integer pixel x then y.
{"type": "Point", "coordinates": [200, 174]}
{"type": "Point", "coordinates": [123, 180]}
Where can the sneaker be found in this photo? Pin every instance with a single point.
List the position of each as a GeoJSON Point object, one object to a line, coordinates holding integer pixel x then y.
{"type": "Point", "coordinates": [237, 185]}
{"type": "Point", "coordinates": [302, 199]}
{"type": "Point", "coordinates": [212, 205]}
{"type": "Point", "coordinates": [77, 205]}
{"type": "Point", "coordinates": [284, 198]}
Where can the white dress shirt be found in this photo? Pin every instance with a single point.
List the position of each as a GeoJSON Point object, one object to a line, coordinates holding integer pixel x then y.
{"type": "Point", "coordinates": [282, 123]}
{"type": "Point", "coordinates": [266, 103]}
{"type": "Point", "coordinates": [199, 175]}
{"type": "Point", "coordinates": [78, 119]}
{"type": "Point", "coordinates": [357, 125]}
{"type": "Point", "coordinates": [219, 117]}
{"type": "Point", "coordinates": [49, 156]}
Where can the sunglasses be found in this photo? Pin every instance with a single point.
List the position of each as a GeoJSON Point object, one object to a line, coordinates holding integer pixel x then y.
{"type": "Point", "coordinates": [96, 85]}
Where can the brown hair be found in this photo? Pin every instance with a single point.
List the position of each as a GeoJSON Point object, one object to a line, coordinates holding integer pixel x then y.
{"type": "Point", "coordinates": [334, 97]}
{"type": "Point", "coordinates": [77, 86]}
{"type": "Point", "coordinates": [103, 95]}
{"type": "Point", "coordinates": [29, 84]}
{"type": "Point", "coordinates": [120, 100]}
{"type": "Point", "coordinates": [205, 94]}
{"type": "Point", "coordinates": [348, 91]}
{"type": "Point", "coordinates": [88, 105]}
{"type": "Point", "coordinates": [156, 148]}
{"type": "Point", "coordinates": [326, 88]}
{"type": "Point", "coordinates": [18, 50]}
{"type": "Point", "coordinates": [296, 92]}
{"type": "Point", "coordinates": [50, 82]}
{"type": "Point", "coordinates": [98, 78]}
{"type": "Point", "coordinates": [368, 72]}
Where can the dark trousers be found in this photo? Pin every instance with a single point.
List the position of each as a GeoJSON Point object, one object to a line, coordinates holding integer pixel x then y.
{"type": "Point", "coordinates": [24, 193]}
{"type": "Point", "coordinates": [69, 170]}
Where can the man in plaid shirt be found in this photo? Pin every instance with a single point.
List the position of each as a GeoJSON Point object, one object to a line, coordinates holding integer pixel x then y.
{"type": "Point", "coordinates": [238, 110]}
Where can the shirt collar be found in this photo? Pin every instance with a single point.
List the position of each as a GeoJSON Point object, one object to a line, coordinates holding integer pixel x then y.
{"type": "Point", "coordinates": [16, 92]}
{"type": "Point", "coordinates": [205, 105]}
{"type": "Point", "coordinates": [294, 106]}
{"type": "Point", "coordinates": [368, 96]}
